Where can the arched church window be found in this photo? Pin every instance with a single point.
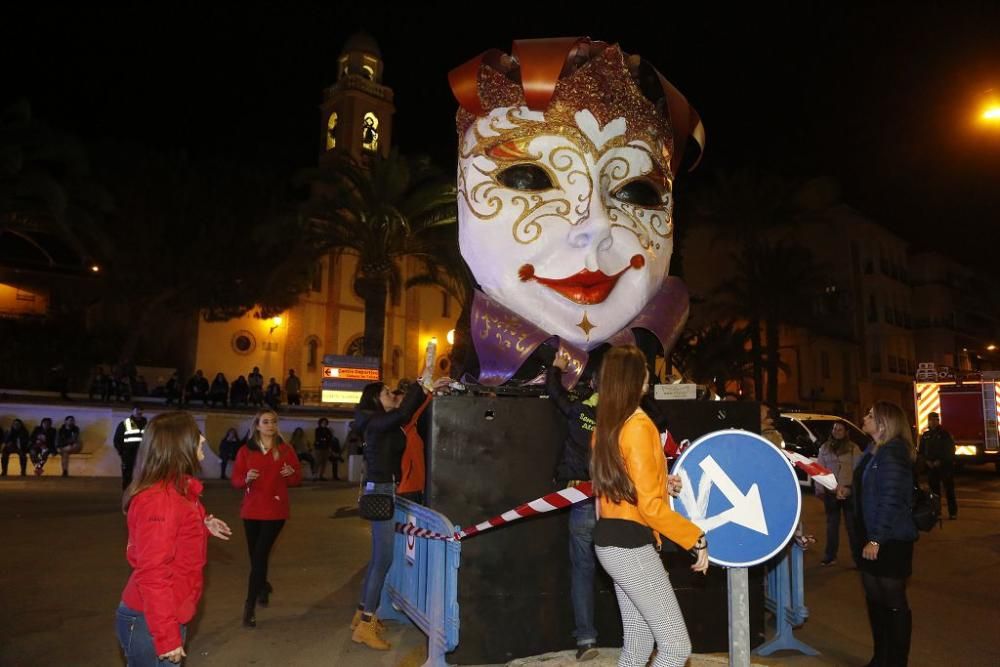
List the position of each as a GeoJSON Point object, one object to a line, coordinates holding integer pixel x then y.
{"type": "Point", "coordinates": [312, 352]}
{"type": "Point", "coordinates": [397, 358]}
{"type": "Point", "coordinates": [369, 132]}
{"type": "Point", "coordinates": [356, 347]}
{"type": "Point", "coordinates": [331, 134]}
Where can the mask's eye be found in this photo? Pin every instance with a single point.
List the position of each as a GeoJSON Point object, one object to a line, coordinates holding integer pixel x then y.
{"type": "Point", "coordinates": [639, 193]}
{"type": "Point", "coordinates": [527, 177]}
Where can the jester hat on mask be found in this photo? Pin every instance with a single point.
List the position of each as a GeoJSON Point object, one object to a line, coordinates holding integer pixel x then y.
{"type": "Point", "coordinates": [567, 153]}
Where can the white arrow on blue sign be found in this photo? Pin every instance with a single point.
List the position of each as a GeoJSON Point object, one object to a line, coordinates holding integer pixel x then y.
{"type": "Point", "coordinates": [742, 491]}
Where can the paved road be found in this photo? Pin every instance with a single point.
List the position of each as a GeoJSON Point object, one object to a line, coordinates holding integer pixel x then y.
{"type": "Point", "coordinates": [62, 568]}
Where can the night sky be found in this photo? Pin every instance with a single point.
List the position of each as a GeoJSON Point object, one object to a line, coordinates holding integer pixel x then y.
{"type": "Point", "coordinates": [883, 100]}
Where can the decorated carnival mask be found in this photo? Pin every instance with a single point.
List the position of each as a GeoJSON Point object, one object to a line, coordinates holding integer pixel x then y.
{"type": "Point", "coordinates": [567, 155]}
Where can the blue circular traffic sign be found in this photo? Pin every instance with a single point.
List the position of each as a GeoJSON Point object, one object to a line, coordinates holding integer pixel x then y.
{"type": "Point", "coordinates": [743, 492]}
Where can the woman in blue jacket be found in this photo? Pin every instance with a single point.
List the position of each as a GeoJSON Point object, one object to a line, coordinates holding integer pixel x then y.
{"type": "Point", "coordinates": [884, 511]}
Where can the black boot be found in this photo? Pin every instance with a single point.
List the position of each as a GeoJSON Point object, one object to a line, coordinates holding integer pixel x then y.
{"type": "Point", "coordinates": [880, 641]}
{"type": "Point", "coordinates": [899, 627]}
{"type": "Point", "coordinates": [264, 597]}
{"type": "Point", "coordinates": [249, 617]}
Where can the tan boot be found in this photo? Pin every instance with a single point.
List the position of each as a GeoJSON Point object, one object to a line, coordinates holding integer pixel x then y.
{"type": "Point", "coordinates": [357, 619]}
{"type": "Point", "coordinates": [367, 633]}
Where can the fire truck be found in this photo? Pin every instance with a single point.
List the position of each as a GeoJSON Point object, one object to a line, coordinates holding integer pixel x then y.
{"type": "Point", "coordinates": [968, 405]}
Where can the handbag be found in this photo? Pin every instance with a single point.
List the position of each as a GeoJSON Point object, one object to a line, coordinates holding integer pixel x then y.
{"type": "Point", "coordinates": [376, 506]}
{"type": "Point", "coordinates": [926, 508]}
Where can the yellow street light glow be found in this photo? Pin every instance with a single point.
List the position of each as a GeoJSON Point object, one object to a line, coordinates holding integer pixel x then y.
{"type": "Point", "coordinates": [992, 113]}
{"type": "Point", "coordinates": [451, 337]}
{"type": "Point", "coordinates": [95, 268]}
{"type": "Point", "coordinates": [276, 320]}
{"type": "Point", "coordinates": [991, 348]}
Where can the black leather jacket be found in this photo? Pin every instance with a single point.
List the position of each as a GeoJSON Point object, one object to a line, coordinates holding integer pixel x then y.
{"type": "Point", "coordinates": [384, 437]}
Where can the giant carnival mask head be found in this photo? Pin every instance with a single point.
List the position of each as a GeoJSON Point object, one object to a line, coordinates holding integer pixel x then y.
{"type": "Point", "coordinates": [567, 154]}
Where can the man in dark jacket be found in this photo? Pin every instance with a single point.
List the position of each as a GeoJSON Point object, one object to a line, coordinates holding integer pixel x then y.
{"type": "Point", "coordinates": [572, 468]}
{"type": "Point", "coordinates": [938, 450]}
{"type": "Point", "coordinates": [128, 437]}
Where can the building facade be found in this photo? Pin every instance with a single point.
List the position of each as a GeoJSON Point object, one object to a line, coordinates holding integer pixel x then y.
{"type": "Point", "coordinates": [356, 118]}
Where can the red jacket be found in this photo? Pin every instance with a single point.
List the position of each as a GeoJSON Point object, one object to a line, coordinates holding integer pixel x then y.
{"type": "Point", "coordinates": [266, 498]}
{"type": "Point", "coordinates": [167, 546]}
{"type": "Point", "coordinates": [413, 467]}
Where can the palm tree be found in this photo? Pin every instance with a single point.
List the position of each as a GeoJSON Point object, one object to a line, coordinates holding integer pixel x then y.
{"type": "Point", "coordinates": [715, 355]}
{"type": "Point", "coordinates": [774, 284]}
{"type": "Point", "coordinates": [382, 210]}
{"type": "Point", "coordinates": [46, 188]}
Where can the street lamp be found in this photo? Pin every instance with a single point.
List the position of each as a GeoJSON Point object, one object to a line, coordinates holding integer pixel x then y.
{"type": "Point", "coordinates": [275, 322]}
{"type": "Point", "coordinates": [991, 347]}
{"type": "Point", "coordinates": [991, 108]}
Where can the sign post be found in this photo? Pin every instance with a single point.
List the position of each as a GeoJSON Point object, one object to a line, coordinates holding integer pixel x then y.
{"type": "Point", "coordinates": [742, 491]}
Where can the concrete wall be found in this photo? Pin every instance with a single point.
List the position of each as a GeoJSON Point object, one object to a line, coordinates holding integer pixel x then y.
{"type": "Point", "coordinates": [98, 423]}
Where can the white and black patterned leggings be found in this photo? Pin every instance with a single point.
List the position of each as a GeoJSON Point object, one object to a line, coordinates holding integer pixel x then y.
{"type": "Point", "coordinates": [650, 613]}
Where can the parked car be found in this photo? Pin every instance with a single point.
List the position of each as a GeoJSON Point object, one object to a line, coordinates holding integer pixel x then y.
{"type": "Point", "coordinates": [805, 432]}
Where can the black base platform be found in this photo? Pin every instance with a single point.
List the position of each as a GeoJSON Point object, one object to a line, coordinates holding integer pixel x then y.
{"type": "Point", "coordinates": [488, 455]}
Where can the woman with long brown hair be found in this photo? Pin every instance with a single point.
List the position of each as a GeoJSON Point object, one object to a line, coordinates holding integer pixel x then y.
{"type": "Point", "coordinates": [264, 470]}
{"type": "Point", "coordinates": [885, 522]}
{"type": "Point", "coordinates": [630, 481]}
{"type": "Point", "coordinates": [167, 542]}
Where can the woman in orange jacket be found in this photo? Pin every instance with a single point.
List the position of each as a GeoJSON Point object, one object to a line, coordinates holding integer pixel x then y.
{"type": "Point", "coordinates": [630, 481]}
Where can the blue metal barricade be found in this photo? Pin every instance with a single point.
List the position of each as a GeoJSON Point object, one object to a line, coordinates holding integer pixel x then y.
{"type": "Point", "coordinates": [785, 598]}
{"type": "Point", "coordinates": [422, 584]}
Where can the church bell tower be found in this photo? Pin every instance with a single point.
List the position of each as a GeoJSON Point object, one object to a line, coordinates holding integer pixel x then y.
{"type": "Point", "coordinates": [356, 114]}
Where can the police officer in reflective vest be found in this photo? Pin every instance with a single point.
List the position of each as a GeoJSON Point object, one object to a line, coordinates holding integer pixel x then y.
{"type": "Point", "coordinates": [128, 436]}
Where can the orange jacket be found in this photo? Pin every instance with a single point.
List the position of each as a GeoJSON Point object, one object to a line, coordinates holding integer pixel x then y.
{"type": "Point", "coordinates": [643, 453]}
{"type": "Point", "coordinates": [413, 466]}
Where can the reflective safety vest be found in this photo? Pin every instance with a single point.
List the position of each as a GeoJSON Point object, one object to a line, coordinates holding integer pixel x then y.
{"type": "Point", "coordinates": [133, 432]}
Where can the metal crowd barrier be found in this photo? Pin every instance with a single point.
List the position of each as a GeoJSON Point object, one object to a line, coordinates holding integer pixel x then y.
{"type": "Point", "coordinates": [422, 584]}
{"type": "Point", "coordinates": [785, 598]}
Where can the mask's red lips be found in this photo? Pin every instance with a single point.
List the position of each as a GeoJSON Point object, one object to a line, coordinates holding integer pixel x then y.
{"type": "Point", "coordinates": [585, 287]}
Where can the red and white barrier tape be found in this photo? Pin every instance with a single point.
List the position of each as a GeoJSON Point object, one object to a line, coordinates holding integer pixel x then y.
{"type": "Point", "coordinates": [811, 467]}
{"type": "Point", "coordinates": [553, 501]}
{"type": "Point", "coordinates": [547, 503]}
{"type": "Point", "coordinates": [574, 494]}
{"type": "Point", "coordinates": [410, 529]}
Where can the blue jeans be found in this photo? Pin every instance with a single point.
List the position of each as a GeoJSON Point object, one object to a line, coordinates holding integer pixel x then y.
{"type": "Point", "coordinates": [136, 640]}
{"type": "Point", "coordinates": [383, 537]}
{"type": "Point", "coordinates": [582, 563]}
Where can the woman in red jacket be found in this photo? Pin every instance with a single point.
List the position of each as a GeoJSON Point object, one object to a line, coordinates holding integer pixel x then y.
{"type": "Point", "coordinates": [167, 542]}
{"type": "Point", "coordinates": [265, 468]}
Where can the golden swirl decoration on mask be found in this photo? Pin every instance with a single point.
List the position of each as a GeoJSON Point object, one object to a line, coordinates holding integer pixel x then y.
{"type": "Point", "coordinates": [573, 176]}
{"type": "Point", "coordinates": [503, 139]}
{"type": "Point", "coordinates": [507, 330]}
{"type": "Point", "coordinates": [533, 212]}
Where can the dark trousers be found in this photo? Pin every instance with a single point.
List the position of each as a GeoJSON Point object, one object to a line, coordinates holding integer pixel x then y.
{"type": "Point", "coordinates": [582, 561]}
{"type": "Point", "coordinates": [23, 456]}
{"type": "Point", "coordinates": [261, 536]}
{"type": "Point", "coordinates": [945, 472]}
{"type": "Point", "coordinates": [834, 509]}
{"type": "Point", "coordinates": [128, 455]}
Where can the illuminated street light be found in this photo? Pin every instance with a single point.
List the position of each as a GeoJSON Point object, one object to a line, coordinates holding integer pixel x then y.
{"type": "Point", "coordinates": [275, 322]}
{"type": "Point", "coordinates": [991, 347]}
{"type": "Point", "coordinates": [992, 113]}
{"type": "Point", "coordinates": [95, 268]}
